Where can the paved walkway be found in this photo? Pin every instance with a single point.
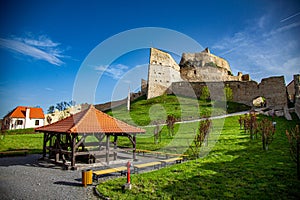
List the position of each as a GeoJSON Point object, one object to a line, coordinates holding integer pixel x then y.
{"type": "Point", "coordinates": [214, 117]}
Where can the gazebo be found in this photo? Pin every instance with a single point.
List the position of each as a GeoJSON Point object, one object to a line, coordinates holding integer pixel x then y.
{"type": "Point", "coordinates": [66, 139]}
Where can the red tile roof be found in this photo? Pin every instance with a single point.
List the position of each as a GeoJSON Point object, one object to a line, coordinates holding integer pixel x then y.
{"type": "Point", "coordinates": [20, 112]}
{"type": "Point", "coordinates": [90, 120]}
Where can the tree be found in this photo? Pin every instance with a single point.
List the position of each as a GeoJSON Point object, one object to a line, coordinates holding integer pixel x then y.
{"type": "Point", "coordinates": [170, 124]}
{"type": "Point", "coordinates": [72, 103]}
{"type": "Point", "coordinates": [157, 133]}
{"type": "Point", "coordinates": [205, 94]}
{"type": "Point", "coordinates": [228, 93]}
{"type": "Point", "coordinates": [51, 109]}
{"type": "Point", "coordinates": [249, 122]}
{"type": "Point", "coordinates": [62, 105]}
{"type": "Point", "coordinates": [267, 130]}
{"type": "Point", "coordinates": [201, 137]}
{"type": "Point", "coordinates": [49, 119]}
{"type": "Point", "coordinates": [294, 140]}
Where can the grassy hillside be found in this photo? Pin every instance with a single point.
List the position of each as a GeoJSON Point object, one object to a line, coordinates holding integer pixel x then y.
{"type": "Point", "coordinates": [236, 168]}
{"type": "Point", "coordinates": [142, 113]}
{"type": "Point", "coordinates": [145, 111]}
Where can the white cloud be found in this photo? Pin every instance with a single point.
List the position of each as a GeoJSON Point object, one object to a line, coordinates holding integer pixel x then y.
{"type": "Point", "coordinates": [42, 48]}
{"type": "Point", "coordinates": [49, 89]}
{"type": "Point", "coordinates": [114, 71]}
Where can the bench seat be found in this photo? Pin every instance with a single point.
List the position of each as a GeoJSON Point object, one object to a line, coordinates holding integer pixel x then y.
{"type": "Point", "coordinates": [140, 166]}
{"type": "Point", "coordinates": [177, 160]}
{"type": "Point", "coordinates": [109, 171]}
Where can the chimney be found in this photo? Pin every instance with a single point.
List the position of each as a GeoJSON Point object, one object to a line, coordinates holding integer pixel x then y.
{"type": "Point", "coordinates": [27, 116]}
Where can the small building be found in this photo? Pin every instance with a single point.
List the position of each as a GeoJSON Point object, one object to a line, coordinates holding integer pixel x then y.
{"type": "Point", "coordinates": [23, 117]}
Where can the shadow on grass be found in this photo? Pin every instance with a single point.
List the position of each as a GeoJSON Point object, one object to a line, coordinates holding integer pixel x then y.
{"type": "Point", "coordinates": [253, 173]}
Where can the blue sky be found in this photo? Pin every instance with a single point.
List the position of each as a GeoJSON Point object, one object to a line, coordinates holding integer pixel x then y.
{"type": "Point", "coordinates": [44, 43]}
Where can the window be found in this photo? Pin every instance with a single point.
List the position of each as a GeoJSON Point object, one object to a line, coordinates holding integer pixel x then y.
{"type": "Point", "coordinates": [19, 122]}
{"type": "Point", "coordinates": [37, 122]}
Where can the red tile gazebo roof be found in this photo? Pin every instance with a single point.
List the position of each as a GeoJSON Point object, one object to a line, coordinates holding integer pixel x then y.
{"type": "Point", "coordinates": [90, 120]}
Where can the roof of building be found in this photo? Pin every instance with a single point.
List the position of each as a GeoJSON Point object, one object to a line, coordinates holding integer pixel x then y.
{"type": "Point", "coordinates": [90, 120]}
{"type": "Point", "coordinates": [20, 112]}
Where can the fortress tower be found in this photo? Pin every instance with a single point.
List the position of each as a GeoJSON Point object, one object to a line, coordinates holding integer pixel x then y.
{"type": "Point", "coordinates": [193, 67]}
{"type": "Point", "coordinates": [162, 72]}
{"type": "Point", "coordinates": [206, 67]}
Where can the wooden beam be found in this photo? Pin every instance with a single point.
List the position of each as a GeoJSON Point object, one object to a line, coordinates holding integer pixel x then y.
{"type": "Point", "coordinates": [107, 148]}
{"type": "Point", "coordinates": [80, 141]}
{"type": "Point", "coordinates": [134, 147]}
{"type": "Point", "coordinates": [115, 147]}
{"type": "Point", "coordinates": [73, 150]}
{"type": "Point", "coordinates": [100, 136]}
{"type": "Point", "coordinates": [58, 147]}
{"type": "Point", "coordinates": [133, 141]}
{"type": "Point", "coordinates": [45, 144]}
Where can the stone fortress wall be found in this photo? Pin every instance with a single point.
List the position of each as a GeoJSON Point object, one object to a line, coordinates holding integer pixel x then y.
{"type": "Point", "coordinates": [197, 70]}
{"type": "Point", "coordinates": [243, 91]}
{"type": "Point", "coordinates": [206, 67]}
{"type": "Point", "coordinates": [162, 72]}
{"type": "Point", "coordinates": [297, 94]}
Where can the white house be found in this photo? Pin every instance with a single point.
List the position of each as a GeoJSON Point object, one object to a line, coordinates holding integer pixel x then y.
{"type": "Point", "coordinates": [23, 117]}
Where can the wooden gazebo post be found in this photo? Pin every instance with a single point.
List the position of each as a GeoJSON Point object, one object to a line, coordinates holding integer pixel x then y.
{"type": "Point", "coordinates": [107, 148]}
{"type": "Point", "coordinates": [134, 146]}
{"type": "Point", "coordinates": [45, 144]}
{"type": "Point", "coordinates": [73, 150]}
{"type": "Point", "coordinates": [115, 147]}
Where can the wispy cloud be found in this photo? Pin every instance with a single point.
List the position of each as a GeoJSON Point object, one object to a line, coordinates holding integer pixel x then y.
{"type": "Point", "coordinates": [41, 48]}
{"type": "Point", "coordinates": [49, 89]}
{"type": "Point", "coordinates": [264, 48]}
{"type": "Point", "coordinates": [114, 71]}
{"type": "Point", "coordinates": [290, 17]}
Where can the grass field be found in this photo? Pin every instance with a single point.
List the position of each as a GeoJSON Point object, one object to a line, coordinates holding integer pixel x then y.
{"type": "Point", "coordinates": [145, 112]}
{"type": "Point", "coordinates": [236, 168]}
{"type": "Point", "coordinates": [16, 141]}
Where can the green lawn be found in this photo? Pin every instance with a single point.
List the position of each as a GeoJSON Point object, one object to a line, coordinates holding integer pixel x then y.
{"type": "Point", "coordinates": [32, 142]}
{"type": "Point", "coordinates": [236, 168]}
{"type": "Point", "coordinates": [183, 108]}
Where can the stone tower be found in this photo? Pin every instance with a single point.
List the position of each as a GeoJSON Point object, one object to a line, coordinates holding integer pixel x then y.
{"type": "Point", "coordinates": [206, 67]}
{"type": "Point", "coordinates": [162, 72]}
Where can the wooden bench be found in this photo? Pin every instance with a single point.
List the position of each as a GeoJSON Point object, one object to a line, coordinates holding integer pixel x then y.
{"type": "Point", "coordinates": [140, 166]}
{"type": "Point", "coordinates": [98, 173]}
{"type": "Point", "coordinates": [13, 152]}
{"type": "Point", "coordinates": [143, 151]}
{"type": "Point", "coordinates": [177, 160]}
{"type": "Point", "coordinates": [184, 156]}
{"type": "Point", "coordinates": [161, 153]}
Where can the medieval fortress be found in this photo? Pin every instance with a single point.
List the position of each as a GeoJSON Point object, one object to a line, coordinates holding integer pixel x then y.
{"type": "Point", "coordinates": [197, 70]}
